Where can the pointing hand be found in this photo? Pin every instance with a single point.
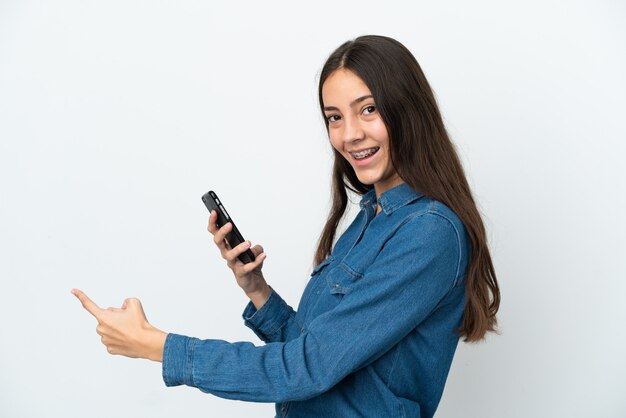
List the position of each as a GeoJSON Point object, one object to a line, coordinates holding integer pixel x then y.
{"type": "Point", "coordinates": [125, 331]}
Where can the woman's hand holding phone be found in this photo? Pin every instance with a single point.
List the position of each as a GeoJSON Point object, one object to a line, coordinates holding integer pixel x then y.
{"type": "Point", "coordinates": [249, 276]}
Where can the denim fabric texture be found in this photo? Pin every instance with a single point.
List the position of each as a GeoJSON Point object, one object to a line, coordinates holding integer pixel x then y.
{"type": "Point", "coordinates": [375, 331]}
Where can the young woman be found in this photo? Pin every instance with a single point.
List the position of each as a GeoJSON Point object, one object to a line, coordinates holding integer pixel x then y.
{"type": "Point", "coordinates": [380, 319]}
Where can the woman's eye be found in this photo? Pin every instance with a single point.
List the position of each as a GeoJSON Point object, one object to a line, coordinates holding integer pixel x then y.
{"type": "Point", "coordinates": [332, 118]}
{"type": "Point", "coordinates": [369, 109]}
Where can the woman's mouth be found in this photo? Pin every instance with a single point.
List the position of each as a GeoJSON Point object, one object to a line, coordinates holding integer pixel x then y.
{"type": "Point", "coordinates": [363, 154]}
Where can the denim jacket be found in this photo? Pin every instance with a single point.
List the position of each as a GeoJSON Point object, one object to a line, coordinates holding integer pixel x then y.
{"type": "Point", "coordinates": [375, 330]}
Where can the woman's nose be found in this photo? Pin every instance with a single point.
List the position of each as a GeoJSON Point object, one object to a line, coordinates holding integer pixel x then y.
{"type": "Point", "coordinates": [352, 130]}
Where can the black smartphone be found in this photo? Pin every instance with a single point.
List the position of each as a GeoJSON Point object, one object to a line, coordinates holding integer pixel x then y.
{"type": "Point", "coordinates": [234, 237]}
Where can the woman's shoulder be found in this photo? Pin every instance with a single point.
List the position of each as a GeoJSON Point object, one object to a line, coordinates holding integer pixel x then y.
{"type": "Point", "coordinates": [434, 219]}
{"type": "Point", "coordinates": [438, 209]}
{"type": "Point", "coordinates": [427, 229]}
{"type": "Point", "coordinates": [405, 206]}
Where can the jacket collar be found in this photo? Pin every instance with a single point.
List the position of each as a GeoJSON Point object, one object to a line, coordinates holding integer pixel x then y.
{"type": "Point", "coordinates": [392, 199]}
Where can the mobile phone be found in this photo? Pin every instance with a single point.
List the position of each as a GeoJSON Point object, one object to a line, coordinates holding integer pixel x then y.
{"type": "Point", "coordinates": [234, 238]}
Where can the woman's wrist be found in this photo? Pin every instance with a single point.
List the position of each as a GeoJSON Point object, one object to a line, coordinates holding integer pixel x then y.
{"type": "Point", "coordinates": [260, 296]}
{"type": "Point", "coordinates": [154, 343]}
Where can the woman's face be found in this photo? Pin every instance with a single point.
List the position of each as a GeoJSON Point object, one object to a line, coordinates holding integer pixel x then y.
{"type": "Point", "coordinates": [357, 131]}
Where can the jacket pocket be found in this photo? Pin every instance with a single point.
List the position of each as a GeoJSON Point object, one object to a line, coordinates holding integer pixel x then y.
{"type": "Point", "coordinates": [340, 280]}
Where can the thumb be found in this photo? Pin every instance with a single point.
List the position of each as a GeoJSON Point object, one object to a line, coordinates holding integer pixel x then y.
{"type": "Point", "coordinates": [133, 304]}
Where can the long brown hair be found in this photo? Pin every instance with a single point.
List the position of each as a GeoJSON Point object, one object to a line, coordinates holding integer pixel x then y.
{"type": "Point", "coordinates": [423, 156]}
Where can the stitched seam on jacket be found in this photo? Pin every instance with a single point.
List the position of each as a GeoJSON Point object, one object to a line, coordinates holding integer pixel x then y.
{"type": "Point", "coordinates": [393, 364]}
{"type": "Point", "coordinates": [190, 360]}
{"type": "Point", "coordinates": [458, 243]}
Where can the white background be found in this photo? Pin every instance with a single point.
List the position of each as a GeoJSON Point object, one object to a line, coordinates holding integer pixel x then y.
{"type": "Point", "coordinates": [116, 116]}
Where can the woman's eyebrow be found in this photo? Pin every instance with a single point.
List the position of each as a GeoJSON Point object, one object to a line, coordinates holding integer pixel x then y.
{"type": "Point", "coordinates": [352, 103]}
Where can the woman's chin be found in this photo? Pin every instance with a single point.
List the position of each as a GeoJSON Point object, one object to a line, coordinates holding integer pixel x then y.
{"type": "Point", "coordinates": [368, 180]}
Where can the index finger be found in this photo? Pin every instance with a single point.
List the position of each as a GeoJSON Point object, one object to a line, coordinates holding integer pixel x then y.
{"type": "Point", "coordinates": [87, 303]}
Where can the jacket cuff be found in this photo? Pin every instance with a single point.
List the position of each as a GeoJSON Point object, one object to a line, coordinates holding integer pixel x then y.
{"type": "Point", "coordinates": [178, 360]}
{"type": "Point", "coordinates": [272, 316]}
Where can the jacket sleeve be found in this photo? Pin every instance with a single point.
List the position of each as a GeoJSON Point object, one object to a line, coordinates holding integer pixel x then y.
{"type": "Point", "coordinates": [275, 321]}
{"type": "Point", "coordinates": [414, 271]}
